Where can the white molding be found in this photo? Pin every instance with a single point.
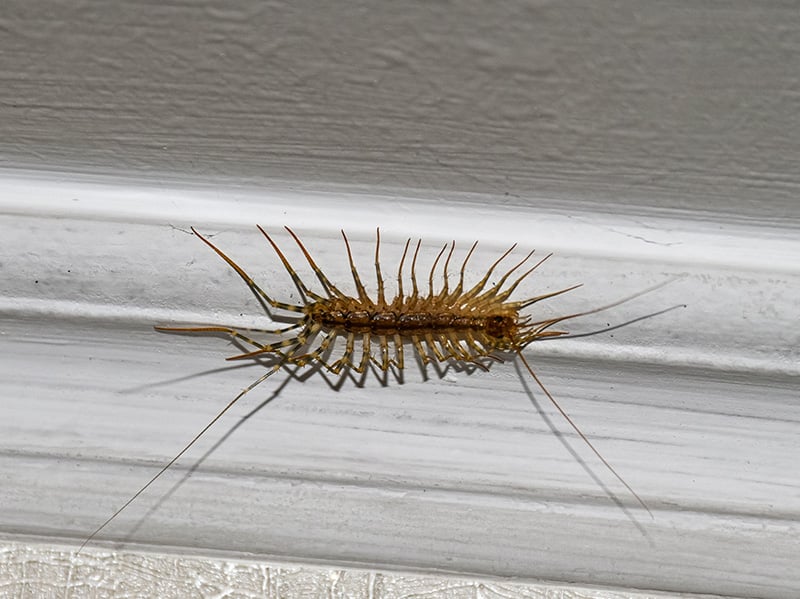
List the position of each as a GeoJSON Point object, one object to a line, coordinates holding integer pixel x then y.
{"type": "Point", "coordinates": [696, 408]}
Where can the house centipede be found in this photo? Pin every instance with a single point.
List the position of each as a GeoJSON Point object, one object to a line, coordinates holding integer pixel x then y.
{"type": "Point", "coordinates": [468, 325]}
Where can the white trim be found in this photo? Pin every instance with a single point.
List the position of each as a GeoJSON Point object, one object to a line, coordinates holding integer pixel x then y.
{"type": "Point", "coordinates": [697, 408]}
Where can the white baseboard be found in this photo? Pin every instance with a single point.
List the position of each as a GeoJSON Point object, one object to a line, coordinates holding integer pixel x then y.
{"type": "Point", "coordinates": [696, 408]}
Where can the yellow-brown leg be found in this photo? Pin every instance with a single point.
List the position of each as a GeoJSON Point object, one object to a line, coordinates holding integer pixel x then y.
{"type": "Point", "coordinates": [317, 354]}
{"type": "Point", "coordinates": [246, 278]}
{"type": "Point", "coordinates": [366, 353]}
{"type": "Point", "coordinates": [433, 268]}
{"type": "Point", "coordinates": [228, 331]}
{"type": "Point", "coordinates": [502, 297]}
{"type": "Point", "coordinates": [385, 362]}
{"type": "Point", "coordinates": [478, 287]}
{"type": "Point", "coordinates": [362, 293]}
{"type": "Point", "coordinates": [446, 287]}
{"type": "Point", "coordinates": [346, 359]}
{"type": "Point", "coordinates": [495, 291]}
{"type": "Point", "coordinates": [437, 352]}
{"type": "Point", "coordinates": [305, 292]}
{"type": "Point", "coordinates": [477, 346]}
{"type": "Point", "coordinates": [423, 354]}
{"type": "Point", "coordinates": [454, 343]}
{"type": "Point", "coordinates": [457, 291]}
{"type": "Point", "coordinates": [298, 341]}
{"type": "Point", "coordinates": [414, 288]}
{"type": "Point", "coordinates": [400, 270]}
{"type": "Point", "coordinates": [398, 351]}
{"type": "Point", "coordinates": [329, 287]}
{"type": "Point", "coordinates": [378, 275]}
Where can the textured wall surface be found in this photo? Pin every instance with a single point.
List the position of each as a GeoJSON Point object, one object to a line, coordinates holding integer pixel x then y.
{"type": "Point", "coordinates": [671, 103]}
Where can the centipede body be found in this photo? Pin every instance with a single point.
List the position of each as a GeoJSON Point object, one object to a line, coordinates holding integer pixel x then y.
{"type": "Point", "coordinates": [466, 324]}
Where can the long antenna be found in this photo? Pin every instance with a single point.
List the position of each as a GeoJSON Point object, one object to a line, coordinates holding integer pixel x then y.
{"type": "Point", "coordinates": [581, 435]}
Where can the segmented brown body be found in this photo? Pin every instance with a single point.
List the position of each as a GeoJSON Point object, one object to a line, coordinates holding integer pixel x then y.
{"type": "Point", "coordinates": [464, 324]}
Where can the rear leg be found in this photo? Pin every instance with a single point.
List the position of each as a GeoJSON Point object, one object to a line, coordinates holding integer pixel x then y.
{"type": "Point", "coordinates": [273, 348]}
{"type": "Point", "coordinates": [260, 293]}
{"type": "Point", "coordinates": [305, 292]}
{"type": "Point", "coordinates": [228, 331]}
{"type": "Point", "coordinates": [329, 287]}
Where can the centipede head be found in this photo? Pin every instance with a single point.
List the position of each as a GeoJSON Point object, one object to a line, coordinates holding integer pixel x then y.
{"type": "Point", "coordinates": [503, 328]}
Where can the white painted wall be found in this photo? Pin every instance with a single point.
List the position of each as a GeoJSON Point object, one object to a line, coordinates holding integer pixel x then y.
{"type": "Point", "coordinates": [638, 141]}
{"type": "Point", "coordinates": [670, 104]}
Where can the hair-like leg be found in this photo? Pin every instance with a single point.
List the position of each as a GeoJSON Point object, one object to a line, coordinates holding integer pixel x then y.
{"type": "Point", "coordinates": [366, 353]}
{"type": "Point", "coordinates": [363, 297]}
{"type": "Point", "coordinates": [414, 288]}
{"type": "Point", "coordinates": [317, 354]}
{"type": "Point", "coordinates": [421, 351]}
{"type": "Point", "coordinates": [305, 292]}
{"type": "Point", "coordinates": [398, 351]}
{"type": "Point", "coordinates": [460, 286]}
{"type": "Point", "coordinates": [247, 279]}
{"type": "Point", "coordinates": [446, 287]}
{"type": "Point", "coordinates": [346, 359]}
{"type": "Point", "coordinates": [433, 268]}
{"type": "Point", "coordinates": [298, 341]}
{"type": "Point", "coordinates": [378, 275]}
{"type": "Point", "coordinates": [494, 293]}
{"type": "Point", "coordinates": [329, 287]}
{"type": "Point", "coordinates": [437, 352]}
{"type": "Point", "coordinates": [468, 295]}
